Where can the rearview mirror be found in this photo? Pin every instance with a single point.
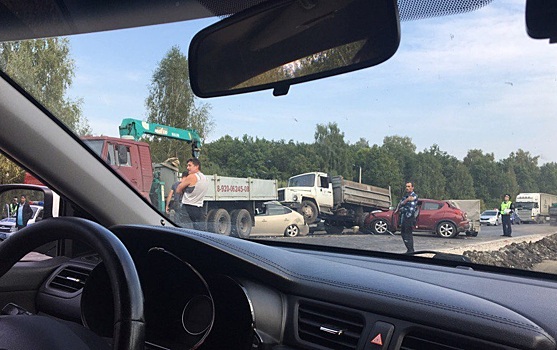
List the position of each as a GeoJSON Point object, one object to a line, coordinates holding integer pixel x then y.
{"type": "Point", "coordinates": [273, 46]}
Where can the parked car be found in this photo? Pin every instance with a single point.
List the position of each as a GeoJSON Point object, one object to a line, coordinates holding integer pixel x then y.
{"type": "Point", "coordinates": [276, 219]}
{"type": "Point", "coordinates": [490, 218]}
{"type": "Point", "coordinates": [441, 217]}
{"type": "Point", "coordinates": [7, 225]}
{"type": "Point", "coordinates": [515, 218]}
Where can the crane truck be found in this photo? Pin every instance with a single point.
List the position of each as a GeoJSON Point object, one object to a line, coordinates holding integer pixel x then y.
{"type": "Point", "coordinates": [231, 202]}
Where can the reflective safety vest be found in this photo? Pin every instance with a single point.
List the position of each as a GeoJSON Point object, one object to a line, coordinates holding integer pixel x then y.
{"type": "Point", "coordinates": [505, 206]}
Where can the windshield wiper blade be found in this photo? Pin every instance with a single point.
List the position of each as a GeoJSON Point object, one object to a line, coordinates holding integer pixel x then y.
{"type": "Point", "coordinates": [442, 256]}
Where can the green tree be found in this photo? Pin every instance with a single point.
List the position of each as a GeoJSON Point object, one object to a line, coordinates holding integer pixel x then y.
{"type": "Point", "coordinates": [487, 176]}
{"type": "Point", "coordinates": [459, 183]}
{"type": "Point", "coordinates": [333, 150]}
{"type": "Point", "coordinates": [380, 168]}
{"type": "Point", "coordinates": [171, 102]}
{"type": "Point", "coordinates": [428, 177]}
{"type": "Point", "coordinates": [548, 178]}
{"type": "Point", "coordinates": [526, 168]}
{"type": "Point", "coordinates": [402, 149]}
{"type": "Point", "coordinates": [45, 69]}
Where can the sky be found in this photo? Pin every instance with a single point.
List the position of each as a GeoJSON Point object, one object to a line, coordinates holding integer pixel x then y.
{"type": "Point", "coordinates": [470, 81]}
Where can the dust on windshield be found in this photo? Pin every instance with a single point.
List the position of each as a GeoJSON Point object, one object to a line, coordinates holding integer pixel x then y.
{"type": "Point", "coordinates": [447, 114]}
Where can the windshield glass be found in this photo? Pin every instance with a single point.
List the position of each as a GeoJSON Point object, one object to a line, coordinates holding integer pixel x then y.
{"type": "Point", "coordinates": [463, 111]}
{"type": "Point", "coordinates": [95, 145]}
{"type": "Point", "coordinates": [489, 213]}
{"type": "Point", "coordinates": [527, 205]}
{"type": "Point", "coordinates": [302, 181]}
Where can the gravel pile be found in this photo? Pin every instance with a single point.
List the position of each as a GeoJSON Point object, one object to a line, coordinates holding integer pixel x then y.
{"type": "Point", "coordinates": [520, 255]}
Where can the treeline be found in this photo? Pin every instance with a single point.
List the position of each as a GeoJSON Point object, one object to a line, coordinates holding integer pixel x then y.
{"type": "Point", "coordinates": [436, 174]}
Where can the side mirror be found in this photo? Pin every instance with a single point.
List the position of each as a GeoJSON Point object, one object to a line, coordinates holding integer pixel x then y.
{"type": "Point", "coordinates": [40, 195]}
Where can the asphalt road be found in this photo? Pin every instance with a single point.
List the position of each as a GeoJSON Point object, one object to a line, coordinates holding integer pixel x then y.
{"type": "Point", "coordinates": [422, 240]}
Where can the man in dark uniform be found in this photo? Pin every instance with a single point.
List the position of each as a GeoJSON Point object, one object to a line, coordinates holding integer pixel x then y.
{"type": "Point", "coordinates": [408, 207]}
{"type": "Point", "coordinates": [506, 210]}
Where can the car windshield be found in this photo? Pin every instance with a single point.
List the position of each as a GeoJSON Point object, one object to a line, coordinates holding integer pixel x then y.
{"type": "Point", "coordinates": [464, 111]}
{"type": "Point", "coordinates": [489, 213]}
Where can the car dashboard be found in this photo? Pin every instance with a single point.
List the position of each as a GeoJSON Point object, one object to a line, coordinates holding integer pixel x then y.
{"type": "Point", "coordinates": [215, 292]}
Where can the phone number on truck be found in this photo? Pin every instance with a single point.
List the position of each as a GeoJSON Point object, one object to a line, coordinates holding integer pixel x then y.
{"type": "Point", "coordinates": [229, 188]}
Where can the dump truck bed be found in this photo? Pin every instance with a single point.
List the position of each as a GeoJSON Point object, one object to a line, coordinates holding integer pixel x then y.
{"type": "Point", "coordinates": [350, 192]}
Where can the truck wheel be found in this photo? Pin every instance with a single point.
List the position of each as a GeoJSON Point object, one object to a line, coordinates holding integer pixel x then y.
{"type": "Point", "coordinates": [220, 222]}
{"type": "Point", "coordinates": [241, 223]}
{"type": "Point", "coordinates": [292, 231]}
{"type": "Point", "coordinates": [309, 211]}
{"type": "Point", "coordinates": [446, 229]}
{"type": "Point", "coordinates": [379, 226]}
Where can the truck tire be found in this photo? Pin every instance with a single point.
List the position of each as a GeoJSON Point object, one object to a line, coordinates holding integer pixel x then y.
{"type": "Point", "coordinates": [241, 223]}
{"type": "Point", "coordinates": [446, 229]}
{"type": "Point", "coordinates": [309, 211]}
{"type": "Point", "coordinates": [219, 222]}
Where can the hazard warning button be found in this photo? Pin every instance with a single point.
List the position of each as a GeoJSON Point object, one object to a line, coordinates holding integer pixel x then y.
{"type": "Point", "coordinates": [380, 336]}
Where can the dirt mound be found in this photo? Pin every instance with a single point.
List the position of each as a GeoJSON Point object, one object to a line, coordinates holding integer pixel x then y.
{"type": "Point", "coordinates": [521, 255]}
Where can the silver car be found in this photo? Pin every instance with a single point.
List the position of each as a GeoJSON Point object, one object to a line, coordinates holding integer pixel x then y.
{"type": "Point", "coordinates": [276, 219]}
{"type": "Point", "coordinates": [490, 217]}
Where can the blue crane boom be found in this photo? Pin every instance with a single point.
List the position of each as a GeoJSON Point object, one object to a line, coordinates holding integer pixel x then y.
{"type": "Point", "coordinates": [137, 128]}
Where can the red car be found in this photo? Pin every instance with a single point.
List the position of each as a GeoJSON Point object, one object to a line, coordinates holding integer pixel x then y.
{"type": "Point", "coordinates": [442, 217]}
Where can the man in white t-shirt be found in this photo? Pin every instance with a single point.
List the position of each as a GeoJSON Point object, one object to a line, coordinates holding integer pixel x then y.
{"type": "Point", "coordinates": [194, 187]}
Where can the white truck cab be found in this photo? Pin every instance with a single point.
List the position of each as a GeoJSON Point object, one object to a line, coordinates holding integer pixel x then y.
{"type": "Point", "coordinates": [309, 193]}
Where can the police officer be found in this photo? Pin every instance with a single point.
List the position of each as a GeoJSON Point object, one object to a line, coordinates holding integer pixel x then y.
{"type": "Point", "coordinates": [506, 210]}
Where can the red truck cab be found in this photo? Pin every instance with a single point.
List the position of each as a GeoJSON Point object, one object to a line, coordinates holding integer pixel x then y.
{"type": "Point", "coordinates": [131, 158]}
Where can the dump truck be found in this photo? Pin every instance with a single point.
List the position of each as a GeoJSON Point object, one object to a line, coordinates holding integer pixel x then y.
{"type": "Point", "coordinates": [340, 203]}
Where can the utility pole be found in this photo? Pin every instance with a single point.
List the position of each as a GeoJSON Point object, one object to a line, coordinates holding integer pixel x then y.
{"type": "Point", "coordinates": [360, 176]}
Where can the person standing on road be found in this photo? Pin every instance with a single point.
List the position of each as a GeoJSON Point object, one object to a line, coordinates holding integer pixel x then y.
{"type": "Point", "coordinates": [24, 213]}
{"type": "Point", "coordinates": [194, 187]}
{"type": "Point", "coordinates": [174, 198]}
{"type": "Point", "coordinates": [506, 210]}
{"type": "Point", "coordinates": [408, 207]}
{"type": "Point", "coordinates": [13, 207]}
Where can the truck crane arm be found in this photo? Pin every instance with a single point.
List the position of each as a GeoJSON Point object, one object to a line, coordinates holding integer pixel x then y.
{"type": "Point", "coordinates": [137, 128]}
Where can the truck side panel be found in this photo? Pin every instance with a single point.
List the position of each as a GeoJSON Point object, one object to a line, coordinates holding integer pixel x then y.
{"type": "Point", "coordinates": [223, 188]}
{"type": "Point", "coordinates": [546, 200]}
{"type": "Point", "coordinates": [350, 192]}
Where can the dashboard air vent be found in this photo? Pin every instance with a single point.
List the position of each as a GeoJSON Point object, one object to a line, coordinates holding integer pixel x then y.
{"type": "Point", "coordinates": [328, 327]}
{"type": "Point", "coordinates": [70, 279]}
{"type": "Point", "coordinates": [430, 341]}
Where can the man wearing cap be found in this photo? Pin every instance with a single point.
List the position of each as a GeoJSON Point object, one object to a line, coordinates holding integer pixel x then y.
{"type": "Point", "coordinates": [506, 210]}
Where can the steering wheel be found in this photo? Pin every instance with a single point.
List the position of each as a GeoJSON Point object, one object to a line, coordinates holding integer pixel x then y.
{"type": "Point", "coordinates": [42, 332]}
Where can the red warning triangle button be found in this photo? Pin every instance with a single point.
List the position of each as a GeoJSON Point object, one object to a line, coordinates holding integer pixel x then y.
{"type": "Point", "coordinates": [377, 340]}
